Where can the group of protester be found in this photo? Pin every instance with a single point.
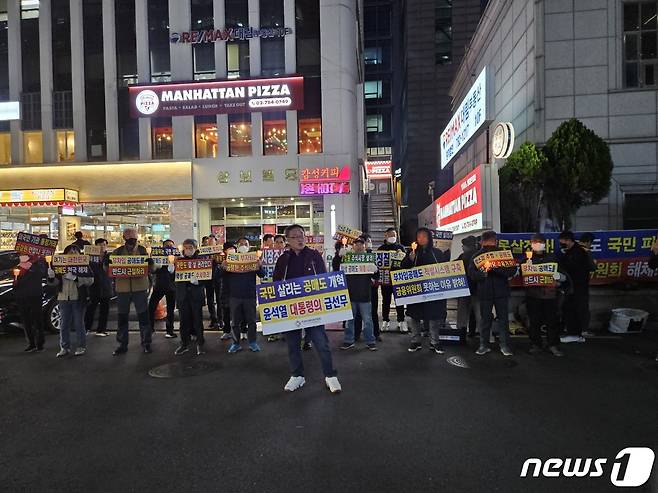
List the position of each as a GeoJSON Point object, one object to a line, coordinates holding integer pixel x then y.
{"type": "Point", "coordinates": [231, 297]}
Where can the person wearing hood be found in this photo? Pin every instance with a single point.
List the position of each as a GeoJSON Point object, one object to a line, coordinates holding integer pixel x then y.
{"type": "Point", "coordinates": [72, 296]}
{"type": "Point", "coordinates": [132, 290]}
{"type": "Point", "coordinates": [433, 311]}
{"type": "Point", "coordinates": [391, 244]}
{"type": "Point", "coordinates": [466, 304]}
{"type": "Point", "coordinates": [242, 301]}
{"type": "Point", "coordinates": [541, 302]}
{"type": "Point", "coordinates": [164, 287]}
{"type": "Point", "coordinates": [28, 294]}
{"type": "Point", "coordinates": [189, 299]}
{"type": "Point", "coordinates": [492, 291]}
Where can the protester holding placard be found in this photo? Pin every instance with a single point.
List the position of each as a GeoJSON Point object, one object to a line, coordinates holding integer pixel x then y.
{"type": "Point", "coordinates": [391, 244]}
{"type": "Point", "coordinates": [297, 262]}
{"type": "Point", "coordinates": [374, 299]}
{"type": "Point", "coordinates": [359, 287]}
{"type": "Point", "coordinates": [470, 303]}
{"type": "Point", "coordinates": [492, 277]}
{"type": "Point", "coordinates": [242, 301]}
{"type": "Point", "coordinates": [133, 289]}
{"type": "Point", "coordinates": [73, 291]}
{"type": "Point", "coordinates": [189, 299]}
{"type": "Point", "coordinates": [541, 275]}
{"type": "Point", "coordinates": [211, 288]}
{"type": "Point", "coordinates": [424, 253]}
{"type": "Point", "coordinates": [100, 292]}
{"type": "Point", "coordinates": [224, 306]}
{"type": "Point", "coordinates": [164, 287]}
{"type": "Point", "coordinates": [28, 294]}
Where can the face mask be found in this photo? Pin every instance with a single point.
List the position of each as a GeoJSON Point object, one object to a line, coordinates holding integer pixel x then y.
{"type": "Point", "coordinates": [563, 246]}
{"type": "Point", "coordinates": [131, 242]}
{"type": "Point", "coordinates": [369, 244]}
{"type": "Point", "coordinates": [243, 249]}
{"type": "Point", "coordinates": [539, 247]}
{"type": "Point", "coordinates": [391, 239]}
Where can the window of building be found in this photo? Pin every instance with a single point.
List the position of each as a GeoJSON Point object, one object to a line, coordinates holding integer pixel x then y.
{"type": "Point", "coordinates": [62, 109]}
{"type": "Point", "coordinates": [158, 19]}
{"type": "Point", "coordinates": [640, 210]}
{"type": "Point", "coordinates": [124, 14]}
{"type": "Point", "coordinates": [375, 123]}
{"type": "Point", "coordinates": [162, 138]}
{"type": "Point", "coordinates": [206, 140]}
{"type": "Point", "coordinates": [30, 47]}
{"type": "Point", "coordinates": [202, 18]}
{"type": "Point", "coordinates": [5, 148]}
{"type": "Point", "coordinates": [94, 80]}
{"type": "Point", "coordinates": [443, 32]}
{"type": "Point", "coordinates": [377, 21]}
{"type": "Point", "coordinates": [61, 46]}
{"type": "Point", "coordinates": [310, 135]}
{"type": "Point", "coordinates": [379, 151]}
{"type": "Point", "coordinates": [307, 25]}
{"type": "Point", "coordinates": [272, 57]}
{"type": "Point", "coordinates": [128, 128]}
{"type": "Point", "coordinates": [32, 147]}
{"type": "Point", "coordinates": [271, 13]}
{"type": "Point", "coordinates": [275, 138]}
{"type": "Point", "coordinates": [31, 111]}
{"type": "Point", "coordinates": [4, 59]}
{"type": "Point", "coordinates": [239, 135]}
{"type": "Point", "coordinates": [640, 44]}
{"type": "Point", "coordinates": [65, 145]}
{"type": "Point", "coordinates": [237, 59]}
{"type": "Point", "coordinates": [236, 13]}
{"type": "Point", "coordinates": [372, 55]}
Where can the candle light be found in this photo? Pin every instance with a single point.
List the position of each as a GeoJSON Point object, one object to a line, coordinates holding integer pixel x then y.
{"type": "Point", "coordinates": [414, 245]}
{"type": "Point", "coordinates": [344, 240]}
{"type": "Point", "coordinates": [171, 258]}
{"type": "Point", "coordinates": [16, 272]}
{"type": "Point", "coordinates": [528, 254]}
{"type": "Point", "coordinates": [49, 258]}
{"type": "Point", "coordinates": [487, 265]}
{"type": "Point", "coordinates": [259, 253]}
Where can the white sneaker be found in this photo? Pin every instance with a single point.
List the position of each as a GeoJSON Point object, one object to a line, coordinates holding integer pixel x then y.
{"type": "Point", "coordinates": [403, 327]}
{"type": "Point", "coordinates": [333, 384]}
{"type": "Point", "coordinates": [294, 383]}
{"type": "Point", "coordinates": [243, 337]}
{"type": "Point", "coordinates": [386, 326]}
{"type": "Point", "coordinates": [63, 352]}
{"type": "Point", "coordinates": [568, 339]}
{"type": "Point", "coordinates": [80, 351]}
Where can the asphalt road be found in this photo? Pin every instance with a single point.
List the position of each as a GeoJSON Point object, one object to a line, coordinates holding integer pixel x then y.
{"type": "Point", "coordinates": [404, 422]}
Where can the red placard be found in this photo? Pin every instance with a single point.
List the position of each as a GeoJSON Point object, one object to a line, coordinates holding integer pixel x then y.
{"type": "Point", "coordinates": [217, 97]}
{"type": "Point", "coordinates": [460, 209]}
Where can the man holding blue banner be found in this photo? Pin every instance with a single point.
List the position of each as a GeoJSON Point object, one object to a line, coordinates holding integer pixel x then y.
{"type": "Point", "coordinates": [301, 261]}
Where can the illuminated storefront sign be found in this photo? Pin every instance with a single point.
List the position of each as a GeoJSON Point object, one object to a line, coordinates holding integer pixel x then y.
{"type": "Point", "coordinates": [43, 197]}
{"type": "Point", "coordinates": [228, 34]}
{"type": "Point", "coordinates": [324, 180]}
{"type": "Point", "coordinates": [10, 110]}
{"type": "Point", "coordinates": [460, 209]}
{"type": "Point", "coordinates": [378, 170]}
{"type": "Point", "coordinates": [471, 114]}
{"type": "Point", "coordinates": [215, 97]}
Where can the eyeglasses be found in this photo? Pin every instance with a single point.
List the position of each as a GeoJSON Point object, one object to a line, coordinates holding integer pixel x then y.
{"type": "Point", "coordinates": [295, 237]}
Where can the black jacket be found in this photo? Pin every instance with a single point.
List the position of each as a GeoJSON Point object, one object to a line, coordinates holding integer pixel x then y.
{"type": "Point", "coordinates": [653, 261]}
{"type": "Point", "coordinates": [163, 280]}
{"type": "Point", "coordinates": [102, 287]}
{"type": "Point", "coordinates": [466, 257]}
{"type": "Point", "coordinates": [492, 284]}
{"type": "Point", "coordinates": [30, 283]}
{"type": "Point", "coordinates": [186, 291]}
{"type": "Point", "coordinates": [577, 264]}
{"type": "Point", "coordinates": [539, 292]}
{"type": "Point", "coordinates": [242, 284]}
{"type": "Point", "coordinates": [291, 265]}
{"type": "Point", "coordinates": [428, 310]}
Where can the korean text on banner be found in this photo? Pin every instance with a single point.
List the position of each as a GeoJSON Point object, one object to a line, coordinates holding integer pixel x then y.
{"type": "Point", "coordinates": [126, 266]}
{"type": "Point", "coordinates": [269, 259]}
{"type": "Point", "coordinates": [495, 260]}
{"type": "Point", "coordinates": [359, 263]}
{"type": "Point", "coordinates": [429, 282]}
{"type": "Point", "coordinates": [538, 275]}
{"type": "Point", "coordinates": [72, 264]}
{"type": "Point", "coordinates": [343, 231]}
{"type": "Point", "coordinates": [304, 302]}
{"type": "Point", "coordinates": [442, 240]}
{"type": "Point", "coordinates": [160, 255]}
{"type": "Point", "coordinates": [29, 244]}
{"type": "Point", "coordinates": [241, 262]}
{"type": "Point", "coordinates": [94, 253]}
{"type": "Point", "coordinates": [200, 268]}
{"type": "Point", "coordinates": [387, 261]}
{"type": "Point", "coordinates": [315, 243]}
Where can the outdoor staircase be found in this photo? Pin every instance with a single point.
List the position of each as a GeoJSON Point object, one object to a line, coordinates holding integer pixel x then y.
{"type": "Point", "coordinates": [381, 213]}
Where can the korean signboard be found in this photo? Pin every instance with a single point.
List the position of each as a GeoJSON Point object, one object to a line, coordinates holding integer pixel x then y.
{"type": "Point", "coordinates": [498, 259]}
{"type": "Point", "coordinates": [188, 268]}
{"type": "Point", "coordinates": [269, 258]}
{"type": "Point", "coordinates": [127, 266]}
{"type": "Point", "coordinates": [304, 302]}
{"type": "Point", "coordinates": [620, 256]}
{"type": "Point", "coordinates": [242, 262]}
{"type": "Point", "coordinates": [539, 275]}
{"type": "Point", "coordinates": [94, 253]}
{"type": "Point", "coordinates": [77, 265]}
{"type": "Point", "coordinates": [228, 34]}
{"type": "Point", "coordinates": [387, 261]}
{"type": "Point", "coordinates": [161, 255]}
{"type": "Point", "coordinates": [347, 234]}
{"type": "Point", "coordinates": [471, 114]}
{"type": "Point", "coordinates": [429, 282]}
{"type": "Point", "coordinates": [459, 210]}
{"type": "Point", "coordinates": [29, 244]}
{"type": "Point", "coordinates": [215, 97]}
{"type": "Point", "coordinates": [325, 180]}
{"type": "Point", "coordinates": [359, 263]}
{"type": "Point", "coordinates": [45, 196]}
{"type": "Point", "coordinates": [442, 240]}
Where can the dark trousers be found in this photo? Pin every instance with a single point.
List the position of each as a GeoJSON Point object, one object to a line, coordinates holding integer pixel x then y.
{"type": "Point", "coordinates": [243, 312]}
{"type": "Point", "coordinates": [191, 321]}
{"type": "Point", "coordinates": [210, 301]}
{"type": "Point", "coordinates": [32, 320]}
{"type": "Point", "coordinates": [358, 323]}
{"type": "Point", "coordinates": [387, 293]}
{"type": "Point", "coordinates": [319, 339]}
{"type": "Point", "coordinates": [226, 319]}
{"type": "Point", "coordinates": [104, 309]}
{"type": "Point", "coordinates": [140, 300]}
{"type": "Point", "coordinates": [576, 312]}
{"type": "Point", "coordinates": [170, 297]}
{"type": "Point", "coordinates": [502, 318]}
{"type": "Point", "coordinates": [543, 312]}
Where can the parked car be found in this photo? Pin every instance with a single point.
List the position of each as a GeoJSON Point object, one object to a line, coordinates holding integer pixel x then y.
{"type": "Point", "coordinates": [9, 315]}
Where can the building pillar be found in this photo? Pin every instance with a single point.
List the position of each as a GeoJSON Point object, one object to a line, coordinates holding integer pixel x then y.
{"type": "Point", "coordinates": [46, 76]}
{"type": "Point", "coordinates": [110, 68]}
{"type": "Point", "coordinates": [181, 69]}
{"type": "Point", "coordinates": [78, 80]}
{"type": "Point", "coordinates": [15, 76]}
{"type": "Point", "coordinates": [290, 46]}
{"type": "Point", "coordinates": [219, 12]}
{"type": "Point", "coordinates": [144, 73]}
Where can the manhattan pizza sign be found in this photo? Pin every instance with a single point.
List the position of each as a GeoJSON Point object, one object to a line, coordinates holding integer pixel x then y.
{"type": "Point", "coordinates": [215, 97]}
{"type": "Point", "coordinates": [460, 209]}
